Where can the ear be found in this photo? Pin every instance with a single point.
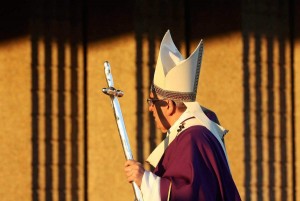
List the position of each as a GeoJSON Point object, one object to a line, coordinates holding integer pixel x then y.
{"type": "Point", "coordinates": [171, 108]}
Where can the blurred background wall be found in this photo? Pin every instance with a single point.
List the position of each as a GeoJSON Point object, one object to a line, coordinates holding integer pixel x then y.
{"type": "Point", "coordinates": [58, 136]}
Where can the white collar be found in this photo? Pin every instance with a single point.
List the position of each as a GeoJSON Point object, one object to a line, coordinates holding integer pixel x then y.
{"type": "Point", "coordinates": [172, 133]}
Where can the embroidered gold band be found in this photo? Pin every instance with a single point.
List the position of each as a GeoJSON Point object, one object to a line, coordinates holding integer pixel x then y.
{"type": "Point", "coordinates": [174, 95]}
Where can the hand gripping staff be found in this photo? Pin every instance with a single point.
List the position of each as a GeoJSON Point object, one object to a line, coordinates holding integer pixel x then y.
{"type": "Point", "coordinates": [114, 94]}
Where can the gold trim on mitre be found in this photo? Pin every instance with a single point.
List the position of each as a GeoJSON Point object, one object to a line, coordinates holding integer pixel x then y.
{"type": "Point", "coordinates": [177, 78]}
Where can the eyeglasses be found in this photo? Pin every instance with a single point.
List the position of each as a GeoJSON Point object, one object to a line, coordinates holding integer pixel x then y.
{"type": "Point", "coordinates": [152, 101]}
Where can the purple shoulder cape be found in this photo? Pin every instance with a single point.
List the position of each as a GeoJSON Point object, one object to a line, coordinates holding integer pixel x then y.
{"type": "Point", "coordinates": [196, 166]}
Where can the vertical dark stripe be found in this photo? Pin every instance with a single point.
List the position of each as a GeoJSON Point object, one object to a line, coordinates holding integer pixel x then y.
{"type": "Point", "coordinates": [246, 102]}
{"type": "Point", "coordinates": [283, 117]}
{"type": "Point", "coordinates": [152, 29]}
{"type": "Point", "coordinates": [48, 16]}
{"type": "Point", "coordinates": [75, 22]}
{"type": "Point", "coordinates": [139, 78]}
{"type": "Point", "coordinates": [282, 35]}
{"type": "Point", "coordinates": [151, 67]}
{"type": "Point", "coordinates": [61, 115]}
{"type": "Point", "coordinates": [271, 126]}
{"type": "Point", "coordinates": [258, 115]}
{"type": "Point", "coordinates": [292, 11]}
{"type": "Point", "coordinates": [74, 121]}
{"type": "Point", "coordinates": [247, 117]}
{"type": "Point", "coordinates": [48, 109]}
{"type": "Point", "coordinates": [36, 14]}
{"type": "Point", "coordinates": [269, 31]}
{"type": "Point", "coordinates": [85, 96]}
{"type": "Point", "coordinates": [34, 109]}
{"type": "Point", "coordinates": [187, 26]}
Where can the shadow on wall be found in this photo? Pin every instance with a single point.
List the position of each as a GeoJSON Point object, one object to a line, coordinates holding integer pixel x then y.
{"type": "Point", "coordinates": [269, 26]}
{"type": "Point", "coordinates": [55, 128]}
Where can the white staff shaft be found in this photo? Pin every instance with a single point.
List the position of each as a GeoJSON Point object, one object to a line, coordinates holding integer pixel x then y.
{"type": "Point", "coordinates": [121, 126]}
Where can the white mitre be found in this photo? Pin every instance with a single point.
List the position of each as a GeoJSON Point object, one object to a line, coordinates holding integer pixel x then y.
{"type": "Point", "coordinates": [177, 78]}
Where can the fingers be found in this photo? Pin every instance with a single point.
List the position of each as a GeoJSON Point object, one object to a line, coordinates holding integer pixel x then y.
{"type": "Point", "coordinates": [128, 171]}
{"type": "Point", "coordinates": [131, 162]}
{"type": "Point", "coordinates": [134, 171]}
{"type": "Point", "coordinates": [130, 167]}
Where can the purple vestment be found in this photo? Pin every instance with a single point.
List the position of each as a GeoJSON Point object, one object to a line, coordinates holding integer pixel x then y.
{"type": "Point", "coordinates": [196, 165]}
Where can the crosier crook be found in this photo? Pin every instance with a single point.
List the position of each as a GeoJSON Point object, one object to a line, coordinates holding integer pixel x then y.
{"type": "Point", "coordinates": [114, 94]}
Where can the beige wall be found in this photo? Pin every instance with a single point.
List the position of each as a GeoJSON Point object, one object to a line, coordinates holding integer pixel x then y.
{"type": "Point", "coordinates": [56, 165]}
{"type": "Point", "coordinates": [220, 89]}
{"type": "Point", "coordinates": [15, 132]}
